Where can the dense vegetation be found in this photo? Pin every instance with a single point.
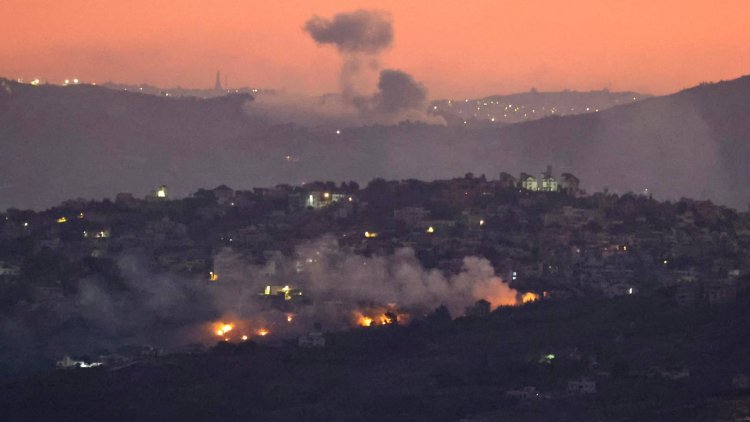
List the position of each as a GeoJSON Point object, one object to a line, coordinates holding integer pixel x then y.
{"type": "Point", "coordinates": [438, 370]}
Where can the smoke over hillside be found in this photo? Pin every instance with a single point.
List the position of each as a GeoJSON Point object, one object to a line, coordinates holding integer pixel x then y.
{"type": "Point", "coordinates": [169, 311]}
{"type": "Point", "coordinates": [66, 142]}
{"type": "Point", "coordinates": [360, 37]}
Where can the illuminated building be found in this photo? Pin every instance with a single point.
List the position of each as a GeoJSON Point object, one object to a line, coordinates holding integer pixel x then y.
{"type": "Point", "coordinates": [287, 292]}
{"type": "Point", "coordinates": [549, 183]}
{"type": "Point", "coordinates": [318, 199]}
{"type": "Point", "coordinates": [159, 194]}
{"type": "Point", "coordinates": [528, 182]}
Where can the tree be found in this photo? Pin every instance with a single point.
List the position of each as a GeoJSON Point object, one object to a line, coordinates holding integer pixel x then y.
{"type": "Point", "coordinates": [480, 309]}
{"type": "Point", "coordinates": [439, 316]}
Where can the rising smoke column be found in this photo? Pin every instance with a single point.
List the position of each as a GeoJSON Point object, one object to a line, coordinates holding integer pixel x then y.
{"type": "Point", "coordinates": [360, 37]}
{"type": "Point", "coordinates": [397, 92]}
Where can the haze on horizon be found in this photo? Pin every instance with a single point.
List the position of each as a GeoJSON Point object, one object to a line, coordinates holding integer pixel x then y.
{"type": "Point", "coordinates": [455, 50]}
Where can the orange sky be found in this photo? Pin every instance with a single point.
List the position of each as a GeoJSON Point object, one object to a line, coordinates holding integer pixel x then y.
{"type": "Point", "coordinates": [456, 48]}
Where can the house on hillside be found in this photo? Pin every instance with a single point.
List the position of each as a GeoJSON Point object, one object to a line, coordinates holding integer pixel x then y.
{"type": "Point", "coordinates": [313, 339]}
{"type": "Point", "coordinates": [582, 386]}
{"type": "Point", "coordinates": [525, 393]}
{"type": "Point", "coordinates": [548, 182]}
{"type": "Point", "coordinates": [528, 182]}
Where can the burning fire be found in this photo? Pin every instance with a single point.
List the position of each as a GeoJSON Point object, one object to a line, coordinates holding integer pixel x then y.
{"type": "Point", "coordinates": [379, 316]}
{"type": "Point", "coordinates": [289, 318]}
{"type": "Point", "coordinates": [240, 330]}
{"type": "Point", "coordinates": [529, 297]}
{"type": "Point", "coordinates": [363, 321]}
{"type": "Point", "coordinates": [224, 328]}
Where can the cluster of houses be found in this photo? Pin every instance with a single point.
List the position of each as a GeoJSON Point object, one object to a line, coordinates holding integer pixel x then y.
{"type": "Point", "coordinates": [564, 245]}
{"type": "Point", "coordinates": [541, 234]}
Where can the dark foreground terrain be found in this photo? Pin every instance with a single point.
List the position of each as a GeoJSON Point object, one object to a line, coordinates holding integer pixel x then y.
{"type": "Point", "coordinates": [437, 370]}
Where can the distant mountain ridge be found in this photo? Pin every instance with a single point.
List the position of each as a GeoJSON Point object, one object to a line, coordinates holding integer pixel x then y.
{"type": "Point", "coordinates": [84, 141]}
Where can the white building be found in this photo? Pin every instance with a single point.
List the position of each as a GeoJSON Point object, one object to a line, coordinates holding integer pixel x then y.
{"type": "Point", "coordinates": [526, 393]}
{"type": "Point", "coordinates": [67, 362]}
{"type": "Point", "coordinates": [549, 183]}
{"type": "Point", "coordinates": [313, 339]}
{"type": "Point", "coordinates": [529, 182]}
{"type": "Point", "coordinates": [582, 386]}
{"type": "Point", "coordinates": [159, 194]}
{"type": "Point", "coordinates": [9, 270]}
{"type": "Point", "coordinates": [411, 216]}
{"type": "Point", "coordinates": [317, 199]}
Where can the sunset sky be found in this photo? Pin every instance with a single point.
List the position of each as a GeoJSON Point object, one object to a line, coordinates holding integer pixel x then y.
{"type": "Point", "coordinates": [456, 48]}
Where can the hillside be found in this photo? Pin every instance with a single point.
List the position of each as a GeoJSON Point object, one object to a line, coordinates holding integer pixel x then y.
{"type": "Point", "coordinates": [692, 143]}
{"type": "Point", "coordinates": [64, 142]}
{"type": "Point", "coordinates": [529, 106]}
{"type": "Point", "coordinates": [438, 370]}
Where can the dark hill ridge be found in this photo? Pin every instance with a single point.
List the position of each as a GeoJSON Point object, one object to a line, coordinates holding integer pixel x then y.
{"type": "Point", "coordinates": [692, 143]}
{"type": "Point", "coordinates": [86, 141]}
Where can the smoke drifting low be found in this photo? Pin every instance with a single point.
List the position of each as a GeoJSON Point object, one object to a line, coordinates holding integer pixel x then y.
{"type": "Point", "coordinates": [168, 311]}
{"type": "Point", "coordinates": [338, 282]}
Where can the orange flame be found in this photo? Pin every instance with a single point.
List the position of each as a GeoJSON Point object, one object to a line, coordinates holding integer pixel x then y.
{"type": "Point", "coordinates": [379, 316]}
{"type": "Point", "coordinates": [362, 320]}
{"type": "Point", "coordinates": [222, 328]}
{"type": "Point", "coordinates": [529, 297]}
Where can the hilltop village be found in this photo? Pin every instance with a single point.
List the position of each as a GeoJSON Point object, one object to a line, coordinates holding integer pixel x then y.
{"type": "Point", "coordinates": [542, 234]}
{"type": "Point", "coordinates": [636, 303]}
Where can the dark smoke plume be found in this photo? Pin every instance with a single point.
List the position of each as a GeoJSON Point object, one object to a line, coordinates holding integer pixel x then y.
{"type": "Point", "coordinates": [397, 92]}
{"type": "Point", "coordinates": [362, 31]}
{"type": "Point", "coordinates": [360, 37]}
